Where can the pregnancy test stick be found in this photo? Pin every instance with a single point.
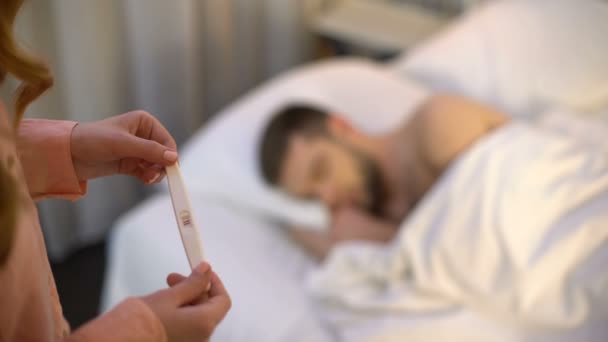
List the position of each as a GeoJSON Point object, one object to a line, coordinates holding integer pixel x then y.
{"type": "Point", "coordinates": [184, 216]}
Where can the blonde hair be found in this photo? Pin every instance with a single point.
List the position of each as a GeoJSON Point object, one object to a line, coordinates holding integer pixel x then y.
{"type": "Point", "coordinates": [35, 79]}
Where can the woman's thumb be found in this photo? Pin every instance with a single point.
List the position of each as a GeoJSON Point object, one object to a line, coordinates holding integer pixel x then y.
{"type": "Point", "coordinates": [191, 288]}
{"type": "Point", "coordinates": [174, 279]}
{"type": "Point", "coordinates": [148, 150]}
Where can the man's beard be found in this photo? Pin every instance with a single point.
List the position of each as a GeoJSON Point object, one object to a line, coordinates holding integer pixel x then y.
{"type": "Point", "coordinates": [372, 181]}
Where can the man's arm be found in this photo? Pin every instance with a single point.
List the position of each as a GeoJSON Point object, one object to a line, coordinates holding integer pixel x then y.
{"type": "Point", "coordinates": [317, 244]}
{"type": "Point", "coordinates": [348, 224]}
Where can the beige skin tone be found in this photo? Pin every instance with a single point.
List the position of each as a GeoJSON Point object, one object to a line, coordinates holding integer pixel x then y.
{"type": "Point", "coordinates": [411, 159]}
{"type": "Point", "coordinates": [192, 307]}
{"type": "Point", "coordinates": [134, 144]}
{"type": "Point", "coordinates": [137, 144]}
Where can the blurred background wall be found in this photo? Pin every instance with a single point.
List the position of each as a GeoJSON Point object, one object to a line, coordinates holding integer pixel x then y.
{"type": "Point", "coordinates": [180, 60]}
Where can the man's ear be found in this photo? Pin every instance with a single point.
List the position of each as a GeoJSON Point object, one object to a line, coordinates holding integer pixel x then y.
{"type": "Point", "coordinates": [338, 126]}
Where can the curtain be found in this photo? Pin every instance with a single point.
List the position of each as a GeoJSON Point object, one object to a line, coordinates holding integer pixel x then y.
{"type": "Point", "coordinates": [180, 60]}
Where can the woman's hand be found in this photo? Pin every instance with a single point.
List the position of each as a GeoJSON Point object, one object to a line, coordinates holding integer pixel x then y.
{"type": "Point", "coordinates": [135, 144]}
{"type": "Point", "coordinates": [192, 307]}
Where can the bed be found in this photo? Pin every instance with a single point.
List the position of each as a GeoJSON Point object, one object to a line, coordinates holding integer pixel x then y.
{"type": "Point", "coordinates": [242, 220]}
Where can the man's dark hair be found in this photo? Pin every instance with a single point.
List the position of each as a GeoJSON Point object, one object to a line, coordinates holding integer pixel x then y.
{"type": "Point", "coordinates": [305, 120]}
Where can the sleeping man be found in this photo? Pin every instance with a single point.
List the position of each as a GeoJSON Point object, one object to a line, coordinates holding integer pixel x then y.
{"type": "Point", "coordinates": [369, 183]}
{"type": "Point", "coordinates": [505, 220]}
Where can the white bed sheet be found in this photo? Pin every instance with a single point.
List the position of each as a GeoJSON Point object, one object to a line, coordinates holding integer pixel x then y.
{"type": "Point", "coordinates": [515, 234]}
{"type": "Point", "coordinates": [265, 272]}
{"type": "Point", "coordinates": [261, 268]}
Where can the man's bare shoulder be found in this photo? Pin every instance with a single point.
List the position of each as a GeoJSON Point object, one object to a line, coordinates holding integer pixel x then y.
{"type": "Point", "coordinates": [447, 125]}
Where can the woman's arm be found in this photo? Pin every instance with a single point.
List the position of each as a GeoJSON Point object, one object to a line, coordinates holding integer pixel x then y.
{"type": "Point", "coordinates": [44, 150]}
{"type": "Point", "coordinates": [189, 310]}
{"type": "Point", "coordinates": [132, 320]}
{"type": "Point", "coordinates": [58, 157]}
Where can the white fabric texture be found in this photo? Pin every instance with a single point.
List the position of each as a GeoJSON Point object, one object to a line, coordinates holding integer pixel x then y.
{"type": "Point", "coordinates": [222, 159]}
{"type": "Point", "coordinates": [514, 236]}
{"type": "Point", "coordinates": [520, 56]}
{"type": "Point", "coordinates": [260, 267]}
{"type": "Point", "coordinates": [265, 272]}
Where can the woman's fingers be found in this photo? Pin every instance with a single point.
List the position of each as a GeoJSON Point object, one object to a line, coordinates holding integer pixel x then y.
{"type": "Point", "coordinates": [189, 290]}
{"type": "Point", "coordinates": [184, 308]}
{"type": "Point", "coordinates": [174, 279]}
{"type": "Point", "coordinates": [219, 301]}
{"type": "Point", "coordinates": [146, 138]}
{"type": "Point", "coordinates": [148, 127]}
{"type": "Point", "coordinates": [217, 286]}
{"type": "Point", "coordinates": [151, 151]}
{"type": "Point", "coordinates": [147, 172]}
{"type": "Point", "coordinates": [152, 175]}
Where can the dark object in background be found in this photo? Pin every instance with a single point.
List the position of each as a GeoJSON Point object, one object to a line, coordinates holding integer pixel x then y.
{"type": "Point", "coordinates": [379, 30]}
{"type": "Point", "coordinates": [79, 279]}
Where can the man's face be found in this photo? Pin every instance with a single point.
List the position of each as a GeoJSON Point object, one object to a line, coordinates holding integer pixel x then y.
{"type": "Point", "coordinates": [332, 171]}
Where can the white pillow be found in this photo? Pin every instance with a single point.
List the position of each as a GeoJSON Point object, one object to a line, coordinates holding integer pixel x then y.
{"type": "Point", "coordinates": [521, 56]}
{"type": "Point", "coordinates": [222, 159]}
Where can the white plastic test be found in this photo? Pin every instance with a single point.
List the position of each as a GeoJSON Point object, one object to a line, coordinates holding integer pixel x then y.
{"type": "Point", "coordinates": [188, 229]}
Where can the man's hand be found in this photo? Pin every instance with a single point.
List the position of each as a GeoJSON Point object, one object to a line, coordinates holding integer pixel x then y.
{"type": "Point", "coordinates": [134, 144]}
{"type": "Point", "coordinates": [348, 224]}
{"type": "Point", "coordinates": [354, 224]}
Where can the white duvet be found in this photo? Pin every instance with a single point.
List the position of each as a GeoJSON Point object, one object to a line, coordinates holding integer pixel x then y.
{"type": "Point", "coordinates": [513, 237]}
